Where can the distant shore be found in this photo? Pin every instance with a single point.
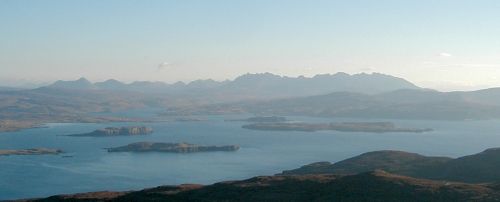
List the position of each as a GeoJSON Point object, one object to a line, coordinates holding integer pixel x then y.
{"type": "Point", "coordinates": [11, 125]}
{"type": "Point", "coordinates": [114, 131]}
{"type": "Point", "coordinates": [374, 127]}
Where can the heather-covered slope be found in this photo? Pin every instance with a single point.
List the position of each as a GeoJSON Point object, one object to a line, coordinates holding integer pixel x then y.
{"type": "Point", "coordinates": [370, 186]}
{"type": "Point", "coordinates": [399, 162]}
{"type": "Point", "coordinates": [481, 167]}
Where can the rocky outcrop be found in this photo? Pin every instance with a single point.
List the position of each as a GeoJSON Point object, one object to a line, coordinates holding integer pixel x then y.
{"type": "Point", "coordinates": [171, 147]}
{"type": "Point", "coordinates": [122, 131]}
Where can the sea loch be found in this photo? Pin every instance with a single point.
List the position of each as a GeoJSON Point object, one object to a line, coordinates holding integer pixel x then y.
{"type": "Point", "coordinates": [89, 167]}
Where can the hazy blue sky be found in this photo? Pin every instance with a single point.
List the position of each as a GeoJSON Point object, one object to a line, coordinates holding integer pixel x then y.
{"type": "Point", "coordinates": [445, 44]}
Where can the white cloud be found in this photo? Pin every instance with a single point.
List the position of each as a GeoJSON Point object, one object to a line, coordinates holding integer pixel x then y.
{"type": "Point", "coordinates": [445, 55]}
{"type": "Point", "coordinates": [164, 65]}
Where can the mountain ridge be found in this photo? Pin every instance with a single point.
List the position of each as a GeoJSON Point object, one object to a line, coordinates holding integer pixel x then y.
{"type": "Point", "coordinates": [266, 83]}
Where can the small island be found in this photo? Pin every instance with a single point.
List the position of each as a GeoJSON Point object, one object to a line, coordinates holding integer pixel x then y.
{"type": "Point", "coordinates": [189, 119]}
{"type": "Point", "coordinates": [373, 127]}
{"type": "Point", "coordinates": [171, 147]}
{"type": "Point", "coordinates": [114, 131]}
{"type": "Point", "coordinates": [35, 151]}
{"type": "Point", "coordinates": [262, 119]}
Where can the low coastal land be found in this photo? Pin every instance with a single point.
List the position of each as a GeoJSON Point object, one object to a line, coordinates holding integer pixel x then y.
{"type": "Point", "coordinates": [171, 147]}
{"type": "Point", "coordinates": [374, 127]}
{"type": "Point", "coordinates": [12, 125]}
{"type": "Point", "coordinates": [35, 151]}
{"type": "Point", "coordinates": [15, 125]}
{"type": "Point", "coordinates": [117, 131]}
{"type": "Point", "coordinates": [262, 119]}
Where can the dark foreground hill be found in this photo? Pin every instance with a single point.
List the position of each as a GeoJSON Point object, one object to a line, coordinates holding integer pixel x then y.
{"type": "Point", "coordinates": [370, 186]}
{"type": "Point", "coordinates": [477, 168]}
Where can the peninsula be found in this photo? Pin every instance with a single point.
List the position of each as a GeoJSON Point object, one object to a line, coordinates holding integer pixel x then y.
{"type": "Point", "coordinates": [171, 147]}
{"type": "Point", "coordinates": [372, 127]}
{"type": "Point", "coordinates": [114, 131]}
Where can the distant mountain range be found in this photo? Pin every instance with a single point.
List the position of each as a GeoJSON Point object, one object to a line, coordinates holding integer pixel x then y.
{"type": "Point", "coordinates": [398, 104]}
{"type": "Point", "coordinates": [339, 95]}
{"type": "Point", "coordinates": [265, 85]}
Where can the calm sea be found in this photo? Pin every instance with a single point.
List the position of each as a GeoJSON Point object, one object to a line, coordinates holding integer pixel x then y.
{"type": "Point", "coordinates": [262, 153]}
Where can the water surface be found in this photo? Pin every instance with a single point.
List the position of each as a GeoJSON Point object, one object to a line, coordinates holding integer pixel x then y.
{"type": "Point", "coordinates": [262, 153]}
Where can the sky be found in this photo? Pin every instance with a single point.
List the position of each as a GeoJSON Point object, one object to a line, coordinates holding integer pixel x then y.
{"type": "Point", "coordinates": [440, 44]}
